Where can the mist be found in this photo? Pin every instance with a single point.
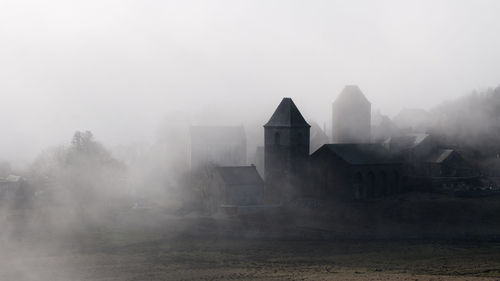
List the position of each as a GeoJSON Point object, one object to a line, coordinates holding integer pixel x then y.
{"type": "Point", "coordinates": [118, 67]}
{"type": "Point", "coordinates": [100, 98]}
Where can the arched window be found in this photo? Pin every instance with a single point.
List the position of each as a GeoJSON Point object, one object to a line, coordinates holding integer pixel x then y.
{"type": "Point", "coordinates": [383, 189]}
{"type": "Point", "coordinates": [359, 191]}
{"type": "Point", "coordinates": [277, 138]}
{"type": "Point", "coordinates": [371, 185]}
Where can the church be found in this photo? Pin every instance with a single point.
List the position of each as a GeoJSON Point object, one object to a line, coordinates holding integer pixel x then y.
{"type": "Point", "coordinates": [352, 168]}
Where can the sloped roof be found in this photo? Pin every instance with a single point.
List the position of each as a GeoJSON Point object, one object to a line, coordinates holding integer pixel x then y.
{"type": "Point", "coordinates": [408, 140]}
{"type": "Point", "coordinates": [359, 154]}
{"type": "Point", "coordinates": [351, 93]}
{"type": "Point", "coordinates": [240, 175]}
{"type": "Point", "coordinates": [218, 134]}
{"type": "Point", "coordinates": [440, 155]}
{"type": "Point", "coordinates": [287, 115]}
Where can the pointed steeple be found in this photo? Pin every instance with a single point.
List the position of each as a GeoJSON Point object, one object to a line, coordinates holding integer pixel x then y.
{"type": "Point", "coordinates": [287, 115]}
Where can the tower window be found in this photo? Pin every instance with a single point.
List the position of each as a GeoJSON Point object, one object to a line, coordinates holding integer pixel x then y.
{"type": "Point", "coordinates": [276, 138]}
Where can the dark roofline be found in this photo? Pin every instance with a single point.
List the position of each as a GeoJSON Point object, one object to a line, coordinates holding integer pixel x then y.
{"type": "Point", "coordinates": [287, 115]}
{"type": "Point", "coordinates": [240, 179]}
{"type": "Point", "coordinates": [376, 153]}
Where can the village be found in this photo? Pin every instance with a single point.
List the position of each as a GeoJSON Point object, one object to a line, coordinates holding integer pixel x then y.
{"type": "Point", "coordinates": [358, 162]}
{"type": "Point", "coordinates": [369, 196]}
{"type": "Point", "coordinates": [249, 140]}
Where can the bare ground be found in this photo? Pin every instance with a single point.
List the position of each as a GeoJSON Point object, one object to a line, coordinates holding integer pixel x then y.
{"type": "Point", "coordinates": [152, 246]}
{"type": "Point", "coordinates": [234, 259]}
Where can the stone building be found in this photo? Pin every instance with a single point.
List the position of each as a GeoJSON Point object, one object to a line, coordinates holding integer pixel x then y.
{"type": "Point", "coordinates": [234, 186]}
{"type": "Point", "coordinates": [351, 117]}
{"type": "Point", "coordinates": [413, 149]}
{"type": "Point", "coordinates": [286, 149]}
{"type": "Point", "coordinates": [353, 171]}
{"type": "Point", "coordinates": [429, 166]}
{"type": "Point", "coordinates": [217, 145]}
{"type": "Point", "coordinates": [447, 163]}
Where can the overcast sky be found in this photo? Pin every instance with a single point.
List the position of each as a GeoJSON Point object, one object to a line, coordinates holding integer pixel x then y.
{"type": "Point", "coordinates": [119, 67]}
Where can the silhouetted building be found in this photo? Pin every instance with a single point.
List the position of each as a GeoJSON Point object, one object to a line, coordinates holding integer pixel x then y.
{"type": "Point", "coordinates": [447, 163]}
{"type": "Point", "coordinates": [235, 186]}
{"type": "Point", "coordinates": [427, 166]}
{"type": "Point", "coordinates": [413, 147]}
{"type": "Point", "coordinates": [286, 145]}
{"type": "Point", "coordinates": [351, 117]}
{"type": "Point", "coordinates": [218, 145]}
{"type": "Point", "coordinates": [353, 171]}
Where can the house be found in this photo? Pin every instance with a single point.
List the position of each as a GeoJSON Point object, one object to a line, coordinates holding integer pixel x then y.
{"type": "Point", "coordinates": [427, 165]}
{"type": "Point", "coordinates": [447, 163]}
{"type": "Point", "coordinates": [218, 145]}
{"type": "Point", "coordinates": [413, 149]}
{"type": "Point", "coordinates": [235, 186]}
{"type": "Point", "coordinates": [351, 117]}
{"type": "Point", "coordinates": [413, 146]}
{"type": "Point", "coordinates": [353, 171]}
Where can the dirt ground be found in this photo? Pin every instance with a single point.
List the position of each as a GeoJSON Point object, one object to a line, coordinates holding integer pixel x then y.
{"type": "Point", "coordinates": [235, 259]}
{"type": "Point", "coordinates": [154, 246]}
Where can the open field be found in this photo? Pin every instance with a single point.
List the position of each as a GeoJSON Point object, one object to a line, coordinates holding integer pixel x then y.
{"type": "Point", "coordinates": [421, 241]}
{"type": "Point", "coordinates": [125, 256]}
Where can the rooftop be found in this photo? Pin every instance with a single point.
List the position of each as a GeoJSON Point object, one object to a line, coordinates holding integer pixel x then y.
{"type": "Point", "coordinates": [440, 155]}
{"type": "Point", "coordinates": [351, 93]}
{"type": "Point", "coordinates": [408, 140]}
{"type": "Point", "coordinates": [359, 154]}
{"type": "Point", "coordinates": [240, 175]}
{"type": "Point", "coordinates": [287, 115]}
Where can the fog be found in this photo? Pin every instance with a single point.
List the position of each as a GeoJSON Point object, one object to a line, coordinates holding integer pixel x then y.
{"type": "Point", "coordinates": [97, 98]}
{"type": "Point", "coordinates": [118, 68]}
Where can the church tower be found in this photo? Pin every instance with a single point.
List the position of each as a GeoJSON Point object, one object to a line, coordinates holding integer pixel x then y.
{"type": "Point", "coordinates": [351, 117]}
{"type": "Point", "coordinates": [286, 148]}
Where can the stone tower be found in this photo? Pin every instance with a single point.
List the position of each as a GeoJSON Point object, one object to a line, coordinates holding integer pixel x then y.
{"type": "Point", "coordinates": [351, 117]}
{"type": "Point", "coordinates": [286, 149]}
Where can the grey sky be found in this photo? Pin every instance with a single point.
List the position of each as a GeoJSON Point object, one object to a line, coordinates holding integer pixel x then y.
{"type": "Point", "coordinates": [118, 67]}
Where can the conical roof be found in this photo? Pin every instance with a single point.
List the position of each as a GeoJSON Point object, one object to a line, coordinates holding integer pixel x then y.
{"type": "Point", "coordinates": [287, 115]}
{"type": "Point", "coordinates": [351, 93]}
